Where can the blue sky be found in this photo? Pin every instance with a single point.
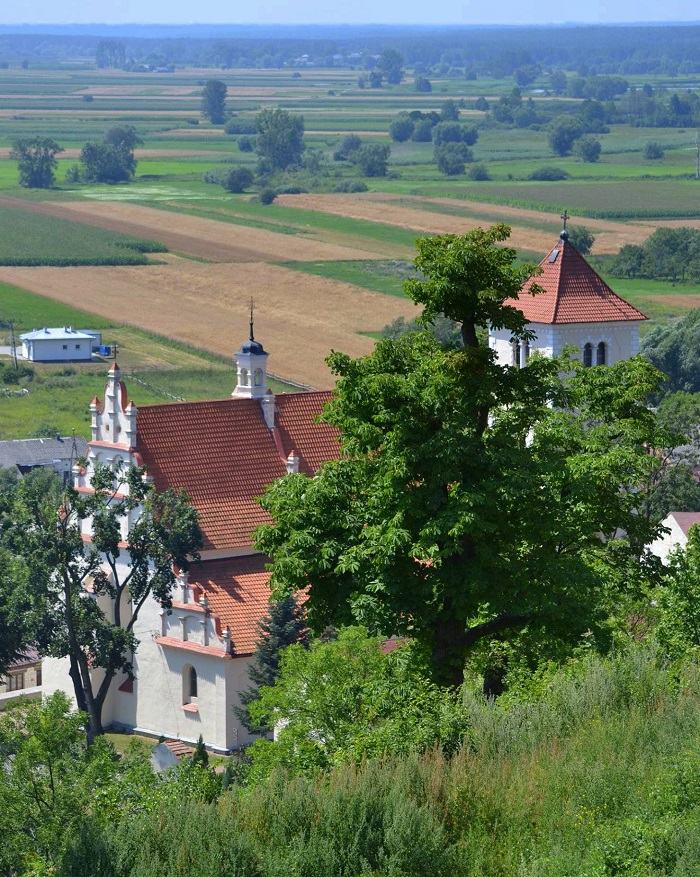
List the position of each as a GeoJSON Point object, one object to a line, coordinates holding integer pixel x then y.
{"type": "Point", "coordinates": [355, 12]}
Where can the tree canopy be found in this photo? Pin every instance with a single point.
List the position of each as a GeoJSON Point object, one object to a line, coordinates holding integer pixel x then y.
{"type": "Point", "coordinates": [45, 536]}
{"type": "Point", "coordinates": [110, 160]}
{"type": "Point", "coordinates": [472, 501]}
{"type": "Point", "coordinates": [214, 101]}
{"type": "Point", "coordinates": [675, 349]}
{"type": "Point", "coordinates": [279, 141]}
{"type": "Point", "coordinates": [36, 161]}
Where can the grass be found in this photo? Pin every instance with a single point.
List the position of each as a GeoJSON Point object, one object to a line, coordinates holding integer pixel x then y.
{"type": "Point", "coordinates": [31, 239]}
{"type": "Point", "coordinates": [386, 277]}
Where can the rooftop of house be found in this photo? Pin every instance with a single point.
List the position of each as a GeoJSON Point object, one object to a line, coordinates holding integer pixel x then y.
{"type": "Point", "coordinates": [572, 292]}
{"type": "Point", "coordinates": [685, 520]}
{"type": "Point", "coordinates": [62, 333]}
{"type": "Point", "coordinates": [224, 455]}
{"type": "Point", "coordinates": [41, 451]}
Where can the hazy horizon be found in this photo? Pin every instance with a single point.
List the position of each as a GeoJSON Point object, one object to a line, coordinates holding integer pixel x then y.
{"type": "Point", "coordinates": [361, 12]}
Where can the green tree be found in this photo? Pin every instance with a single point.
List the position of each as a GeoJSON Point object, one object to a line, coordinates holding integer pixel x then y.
{"type": "Point", "coordinates": [47, 537]}
{"type": "Point", "coordinates": [582, 238]}
{"type": "Point", "coordinates": [36, 161]}
{"type": "Point", "coordinates": [401, 128]}
{"type": "Point", "coordinates": [587, 148]}
{"type": "Point", "coordinates": [452, 157]}
{"type": "Point", "coordinates": [423, 85]}
{"type": "Point", "coordinates": [283, 626]}
{"type": "Point", "coordinates": [678, 628]}
{"type": "Point", "coordinates": [472, 500]}
{"type": "Point", "coordinates": [449, 111]}
{"type": "Point", "coordinates": [563, 132]}
{"type": "Point", "coordinates": [454, 132]}
{"type": "Point", "coordinates": [49, 781]}
{"type": "Point", "coordinates": [110, 54]}
{"type": "Point", "coordinates": [372, 159]}
{"type": "Point", "coordinates": [347, 145]}
{"type": "Point", "coordinates": [237, 179]}
{"type": "Point", "coordinates": [390, 65]}
{"type": "Point", "coordinates": [346, 700]}
{"type": "Point", "coordinates": [110, 160]}
{"type": "Point", "coordinates": [675, 349]}
{"type": "Point", "coordinates": [653, 150]}
{"type": "Point", "coordinates": [214, 101]}
{"type": "Point", "coordinates": [279, 141]}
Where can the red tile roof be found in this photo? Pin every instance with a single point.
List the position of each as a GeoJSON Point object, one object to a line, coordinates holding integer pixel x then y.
{"type": "Point", "coordinates": [223, 454]}
{"type": "Point", "coordinates": [239, 592]}
{"type": "Point", "coordinates": [573, 292]}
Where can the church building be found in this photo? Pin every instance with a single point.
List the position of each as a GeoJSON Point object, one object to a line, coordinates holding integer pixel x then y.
{"type": "Point", "coordinates": [191, 662]}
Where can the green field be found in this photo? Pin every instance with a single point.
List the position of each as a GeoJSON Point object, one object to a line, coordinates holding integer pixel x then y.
{"type": "Point", "coordinates": [31, 239]}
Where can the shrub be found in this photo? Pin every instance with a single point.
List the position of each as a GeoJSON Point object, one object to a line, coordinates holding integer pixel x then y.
{"type": "Point", "coordinates": [346, 147]}
{"type": "Point", "coordinates": [372, 159]}
{"type": "Point", "coordinates": [451, 158]}
{"type": "Point", "coordinates": [653, 150]}
{"type": "Point", "coordinates": [238, 126]}
{"type": "Point", "coordinates": [587, 148]}
{"type": "Point", "coordinates": [422, 131]}
{"type": "Point", "coordinates": [246, 144]}
{"type": "Point", "coordinates": [479, 172]}
{"type": "Point", "coordinates": [351, 186]}
{"type": "Point", "coordinates": [455, 132]}
{"type": "Point", "coordinates": [401, 128]}
{"type": "Point", "coordinates": [237, 179]}
{"type": "Point", "coordinates": [293, 190]}
{"type": "Point", "coordinates": [423, 85]}
{"type": "Point", "coordinates": [549, 174]}
{"type": "Point", "coordinates": [267, 196]}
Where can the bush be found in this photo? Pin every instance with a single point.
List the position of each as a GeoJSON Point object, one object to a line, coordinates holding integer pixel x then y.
{"type": "Point", "coordinates": [423, 85]}
{"type": "Point", "coordinates": [422, 131]}
{"type": "Point", "coordinates": [653, 150]}
{"type": "Point", "coordinates": [346, 147]}
{"type": "Point", "coordinates": [293, 190]}
{"type": "Point", "coordinates": [587, 148]}
{"type": "Point", "coordinates": [267, 196]}
{"type": "Point", "coordinates": [401, 129]}
{"type": "Point", "coordinates": [454, 132]}
{"type": "Point", "coordinates": [479, 172]}
{"type": "Point", "coordinates": [236, 127]}
{"type": "Point", "coordinates": [246, 144]}
{"type": "Point", "coordinates": [237, 179]}
{"type": "Point", "coordinates": [451, 158]}
{"type": "Point", "coordinates": [372, 159]}
{"type": "Point", "coordinates": [351, 186]}
{"type": "Point", "coordinates": [549, 174]}
{"type": "Point", "coordinates": [215, 175]}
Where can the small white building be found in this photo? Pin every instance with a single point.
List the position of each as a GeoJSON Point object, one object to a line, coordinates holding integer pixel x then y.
{"type": "Point", "coordinates": [677, 524]}
{"type": "Point", "coordinates": [64, 344]}
{"type": "Point", "coordinates": [576, 308]}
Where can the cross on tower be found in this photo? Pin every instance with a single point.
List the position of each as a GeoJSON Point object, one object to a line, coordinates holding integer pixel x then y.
{"type": "Point", "coordinates": [252, 308]}
{"type": "Point", "coordinates": [564, 218]}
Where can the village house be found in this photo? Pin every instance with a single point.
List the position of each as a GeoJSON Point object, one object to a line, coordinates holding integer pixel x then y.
{"type": "Point", "coordinates": [191, 662]}
{"type": "Point", "coordinates": [63, 344]}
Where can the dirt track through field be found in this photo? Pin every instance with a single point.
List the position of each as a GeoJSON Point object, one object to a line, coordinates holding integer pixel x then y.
{"type": "Point", "coordinates": [380, 207]}
{"type": "Point", "coordinates": [203, 238]}
{"type": "Point", "coordinates": [298, 317]}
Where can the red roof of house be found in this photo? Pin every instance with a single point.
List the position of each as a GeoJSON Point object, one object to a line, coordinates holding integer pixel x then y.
{"type": "Point", "coordinates": [239, 592]}
{"type": "Point", "coordinates": [223, 454]}
{"type": "Point", "coordinates": [685, 520]}
{"type": "Point", "coordinates": [573, 292]}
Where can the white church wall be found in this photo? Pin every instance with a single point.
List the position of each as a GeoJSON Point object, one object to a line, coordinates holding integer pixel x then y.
{"type": "Point", "coordinates": [669, 541]}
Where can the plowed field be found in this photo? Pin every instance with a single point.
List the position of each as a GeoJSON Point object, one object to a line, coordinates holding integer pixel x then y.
{"type": "Point", "coordinates": [299, 317]}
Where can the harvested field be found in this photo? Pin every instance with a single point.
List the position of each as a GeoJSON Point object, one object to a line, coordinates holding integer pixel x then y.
{"type": "Point", "coordinates": [379, 207]}
{"type": "Point", "coordinates": [300, 318]}
{"type": "Point", "coordinates": [682, 300]}
{"type": "Point", "coordinates": [204, 238]}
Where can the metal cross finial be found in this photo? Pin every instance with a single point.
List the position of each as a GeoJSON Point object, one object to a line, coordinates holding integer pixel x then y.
{"type": "Point", "coordinates": [564, 217]}
{"type": "Point", "coordinates": [252, 307]}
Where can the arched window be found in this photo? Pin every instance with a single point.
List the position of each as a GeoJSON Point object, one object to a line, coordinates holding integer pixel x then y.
{"type": "Point", "coordinates": [526, 351]}
{"type": "Point", "coordinates": [189, 684]}
{"type": "Point", "coordinates": [588, 355]}
{"type": "Point", "coordinates": [258, 377]}
{"type": "Point", "coordinates": [600, 355]}
{"type": "Point", "coordinates": [515, 345]}
{"type": "Point", "coordinates": [244, 377]}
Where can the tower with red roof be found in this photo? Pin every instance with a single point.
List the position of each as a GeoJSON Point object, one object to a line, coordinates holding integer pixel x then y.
{"type": "Point", "coordinates": [576, 308]}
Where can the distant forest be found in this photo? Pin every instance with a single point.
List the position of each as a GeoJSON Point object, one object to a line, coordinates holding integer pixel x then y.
{"type": "Point", "coordinates": [461, 51]}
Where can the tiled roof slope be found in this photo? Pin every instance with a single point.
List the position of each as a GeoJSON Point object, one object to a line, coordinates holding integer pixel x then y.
{"type": "Point", "coordinates": [573, 292]}
{"type": "Point", "coordinates": [238, 590]}
{"type": "Point", "coordinates": [685, 520]}
{"type": "Point", "coordinates": [224, 456]}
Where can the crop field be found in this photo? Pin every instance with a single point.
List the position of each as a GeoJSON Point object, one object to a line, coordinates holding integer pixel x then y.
{"type": "Point", "coordinates": [300, 317]}
{"type": "Point", "coordinates": [30, 239]}
{"type": "Point", "coordinates": [325, 268]}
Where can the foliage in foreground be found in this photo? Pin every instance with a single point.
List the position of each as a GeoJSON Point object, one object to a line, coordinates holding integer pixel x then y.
{"type": "Point", "coordinates": [591, 769]}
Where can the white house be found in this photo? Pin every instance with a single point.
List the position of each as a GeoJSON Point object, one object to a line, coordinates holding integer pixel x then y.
{"type": "Point", "coordinates": [677, 524]}
{"type": "Point", "coordinates": [575, 309]}
{"type": "Point", "coordinates": [191, 663]}
{"type": "Point", "coordinates": [57, 345]}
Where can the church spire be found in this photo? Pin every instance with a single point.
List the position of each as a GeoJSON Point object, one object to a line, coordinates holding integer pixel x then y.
{"type": "Point", "coordinates": [251, 366]}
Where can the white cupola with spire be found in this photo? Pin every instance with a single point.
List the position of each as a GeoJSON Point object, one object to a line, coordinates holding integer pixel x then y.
{"type": "Point", "coordinates": [251, 366]}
